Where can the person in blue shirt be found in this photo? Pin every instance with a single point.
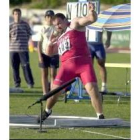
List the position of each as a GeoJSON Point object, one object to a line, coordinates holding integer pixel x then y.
{"type": "Point", "coordinates": [97, 50]}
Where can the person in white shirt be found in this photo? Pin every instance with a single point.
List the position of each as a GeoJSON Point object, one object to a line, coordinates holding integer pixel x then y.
{"type": "Point", "coordinates": [46, 58]}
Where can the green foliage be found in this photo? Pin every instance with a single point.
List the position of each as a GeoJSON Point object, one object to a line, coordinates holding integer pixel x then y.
{"type": "Point", "coordinates": [45, 4]}
{"type": "Point", "coordinates": [114, 1]}
{"type": "Point", "coordinates": [55, 3]}
{"type": "Point", "coordinates": [18, 2]}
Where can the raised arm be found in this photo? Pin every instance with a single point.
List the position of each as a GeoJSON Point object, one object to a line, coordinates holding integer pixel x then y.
{"type": "Point", "coordinates": [87, 20]}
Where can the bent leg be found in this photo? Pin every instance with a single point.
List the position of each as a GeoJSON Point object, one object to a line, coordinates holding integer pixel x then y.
{"type": "Point", "coordinates": [64, 74]}
{"type": "Point", "coordinates": [50, 103]}
{"type": "Point", "coordinates": [52, 100]}
{"type": "Point", "coordinates": [92, 90]}
{"type": "Point", "coordinates": [89, 79]}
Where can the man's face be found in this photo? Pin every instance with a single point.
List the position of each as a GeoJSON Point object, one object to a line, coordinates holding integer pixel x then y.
{"type": "Point", "coordinates": [17, 16]}
{"type": "Point", "coordinates": [49, 19]}
{"type": "Point", "coordinates": [60, 25]}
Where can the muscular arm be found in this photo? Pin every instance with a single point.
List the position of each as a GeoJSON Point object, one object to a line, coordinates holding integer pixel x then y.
{"type": "Point", "coordinates": [84, 21]}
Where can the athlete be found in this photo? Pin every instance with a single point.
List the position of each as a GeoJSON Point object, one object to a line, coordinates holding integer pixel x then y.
{"type": "Point", "coordinates": [97, 50]}
{"type": "Point", "coordinates": [75, 59]}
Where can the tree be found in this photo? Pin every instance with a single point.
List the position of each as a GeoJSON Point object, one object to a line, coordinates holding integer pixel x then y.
{"type": "Point", "coordinates": [18, 2]}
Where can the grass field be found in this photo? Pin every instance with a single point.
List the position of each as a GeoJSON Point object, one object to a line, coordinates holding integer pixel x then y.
{"type": "Point", "coordinates": [116, 82]}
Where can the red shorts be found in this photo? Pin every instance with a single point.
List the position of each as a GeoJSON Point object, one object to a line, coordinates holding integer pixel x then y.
{"type": "Point", "coordinates": [81, 67]}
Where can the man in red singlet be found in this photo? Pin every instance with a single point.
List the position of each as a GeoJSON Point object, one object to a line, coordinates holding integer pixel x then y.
{"type": "Point", "coordinates": [75, 59]}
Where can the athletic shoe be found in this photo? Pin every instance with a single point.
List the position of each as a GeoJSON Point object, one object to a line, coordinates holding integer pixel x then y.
{"type": "Point", "coordinates": [17, 85]}
{"type": "Point", "coordinates": [101, 116]}
{"type": "Point", "coordinates": [30, 86]}
{"type": "Point", "coordinates": [104, 89]}
{"type": "Point", "coordinates": [45, 115]}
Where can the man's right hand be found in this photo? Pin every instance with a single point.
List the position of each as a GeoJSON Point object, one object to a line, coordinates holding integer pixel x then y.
{"type": "Point", "coordinates": [91, 6]}
{"type": "Point", "coordinates": [52, 39]}
{"type": "Point", "coordinates": [107, 44]}
{"type": "Point", "coordinates": [40, 61]}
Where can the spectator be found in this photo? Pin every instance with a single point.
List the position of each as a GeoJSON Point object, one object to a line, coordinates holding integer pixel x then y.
{"type": "Point", "coordinates": [45, 59]}
{"type": "Point", "coordinates": [20, 33]}
{"type": "Point", "coordinates": [97, 50]}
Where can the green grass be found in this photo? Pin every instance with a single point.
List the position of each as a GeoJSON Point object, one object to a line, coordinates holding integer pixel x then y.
{"type": "Point", "coordinates": [116, 82]}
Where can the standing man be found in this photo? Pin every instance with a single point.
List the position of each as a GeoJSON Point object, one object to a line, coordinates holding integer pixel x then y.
{"type": "Point", "coordinates": [75, 59]}
{"type": "Point", "coordinates": [97, 50]}
{"type": "Point", "coordinates": [46, 59]}
{"type": "Point", "coordinates": [20, 33]}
